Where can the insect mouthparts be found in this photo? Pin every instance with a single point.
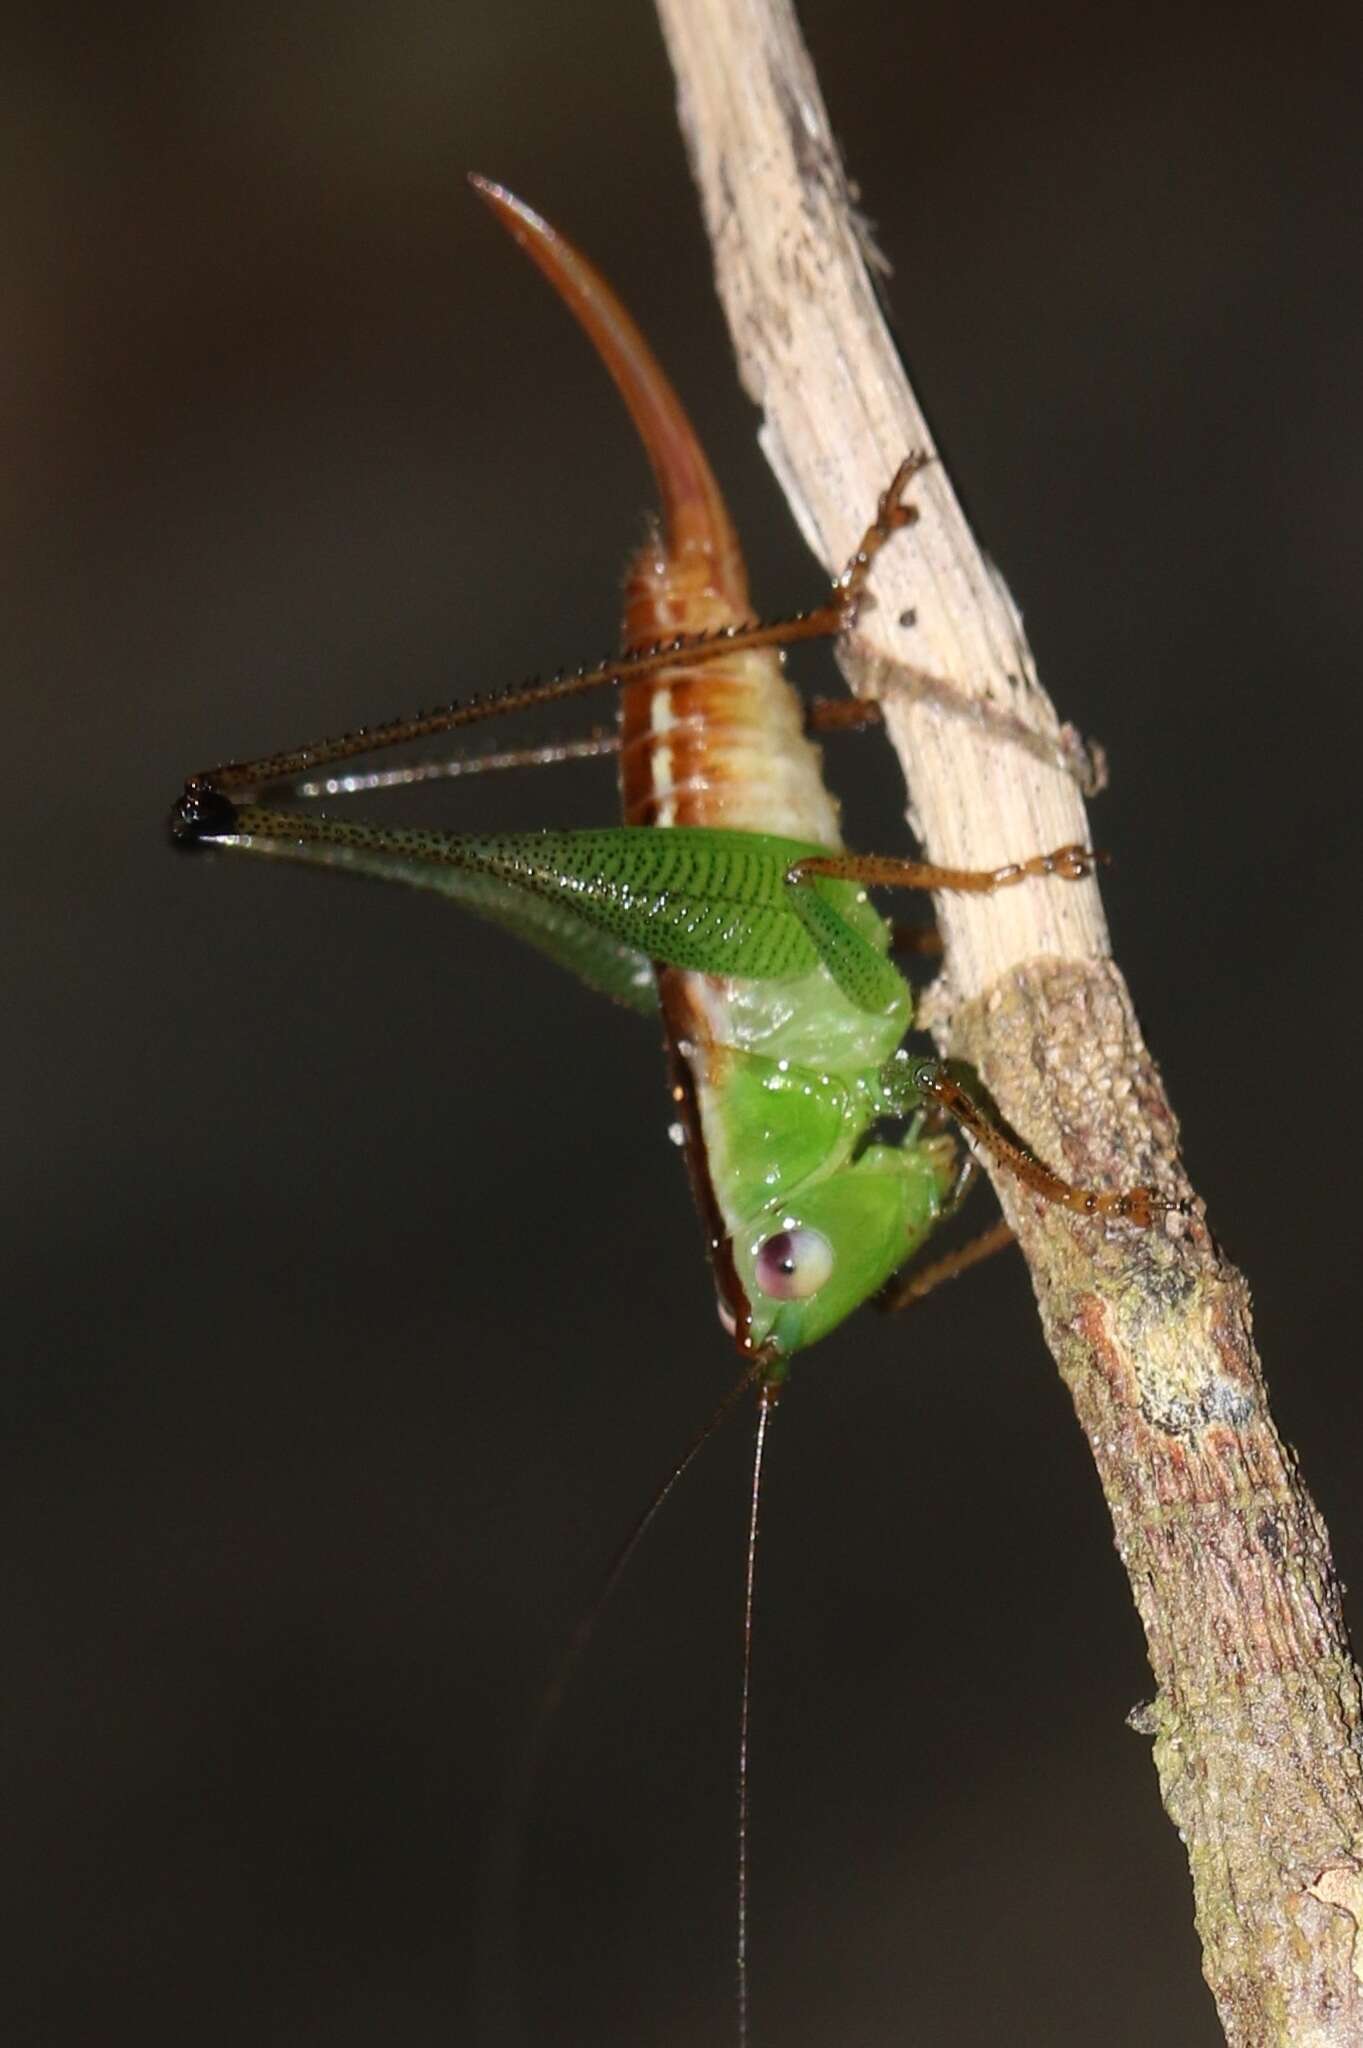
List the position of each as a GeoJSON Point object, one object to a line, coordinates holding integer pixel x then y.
{"type": "Point", "coordinates": [202, 813]}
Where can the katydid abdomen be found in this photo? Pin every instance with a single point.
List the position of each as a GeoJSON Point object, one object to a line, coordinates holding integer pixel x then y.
{"type": "Point", "coordinates": [774, 1078]}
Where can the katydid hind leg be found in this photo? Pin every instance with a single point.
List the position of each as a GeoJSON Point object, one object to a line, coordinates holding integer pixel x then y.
{"type": "Point", "coordinates": [601, 744]}
{"type": "Point", "coordinates": [823, 715]}
{"type": "Point", "coordinates": [292, 765]}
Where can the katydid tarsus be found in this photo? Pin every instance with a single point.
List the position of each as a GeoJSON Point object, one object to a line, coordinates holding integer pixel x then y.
{"type": "Point", "coordinates": [820, 1149]}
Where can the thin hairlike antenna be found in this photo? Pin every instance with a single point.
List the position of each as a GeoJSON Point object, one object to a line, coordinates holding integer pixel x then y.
{"type": "Point", "coordinates": [507, 1846]}
{"type": "Point", "coordinates": [766, 1407]}
{"type": "Point", "coordinates": [586, 1627]}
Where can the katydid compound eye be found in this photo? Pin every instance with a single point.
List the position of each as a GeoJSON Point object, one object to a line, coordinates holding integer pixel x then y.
{"type": "Point", "coordinates": [794, 1264]}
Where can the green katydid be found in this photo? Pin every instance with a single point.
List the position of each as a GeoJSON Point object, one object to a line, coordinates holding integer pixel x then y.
{"type": "Point", "coordinates": [741, 916]}
{"type": "Point", "coordinates": [817, 1145]}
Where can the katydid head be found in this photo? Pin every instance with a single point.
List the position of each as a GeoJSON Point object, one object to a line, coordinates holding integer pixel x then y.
{"type": "Point", "coordinates": [808, 1211]}
{"type": "Point", "coordinates": [804, 1264]}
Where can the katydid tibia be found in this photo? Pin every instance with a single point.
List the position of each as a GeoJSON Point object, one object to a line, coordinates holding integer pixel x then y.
{"type": "Point", "coordinates": [725, 898]}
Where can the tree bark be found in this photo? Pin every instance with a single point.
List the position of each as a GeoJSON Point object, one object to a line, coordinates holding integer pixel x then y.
{"type": "Point", "coordinates": [1256, 1720]}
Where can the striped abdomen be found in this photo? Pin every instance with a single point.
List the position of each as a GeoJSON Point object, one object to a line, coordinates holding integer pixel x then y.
{"type": "Point", "coordinates": [717, 742]}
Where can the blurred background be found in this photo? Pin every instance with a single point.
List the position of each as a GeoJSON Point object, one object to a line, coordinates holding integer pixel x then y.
{"type": "Point", "coordinates": [356, 1302]}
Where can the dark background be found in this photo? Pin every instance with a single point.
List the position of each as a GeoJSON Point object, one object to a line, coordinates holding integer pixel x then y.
{"type": "Point", "coordinates": [355, 1301]}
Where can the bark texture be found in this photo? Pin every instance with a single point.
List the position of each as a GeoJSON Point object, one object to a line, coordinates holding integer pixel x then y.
{"type": "Point", "coordinates": [1256, 1718]}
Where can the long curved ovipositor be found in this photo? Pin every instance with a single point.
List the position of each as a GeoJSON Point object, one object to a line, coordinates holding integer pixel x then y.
{"type": "Point", "coordinates": [695, 517]}
{"type": "Point", "coordinates": [718, 740]}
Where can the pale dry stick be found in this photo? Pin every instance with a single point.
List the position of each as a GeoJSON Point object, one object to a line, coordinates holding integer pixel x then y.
{"type": "Point", "coordinates": [1257, 1716]}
